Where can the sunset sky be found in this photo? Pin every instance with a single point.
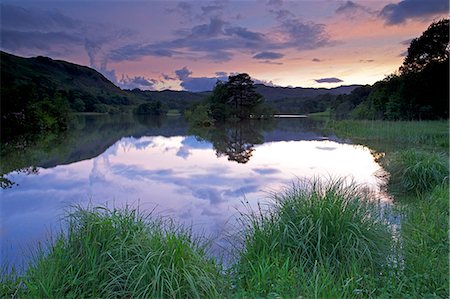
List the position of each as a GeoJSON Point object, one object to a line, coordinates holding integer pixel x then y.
{"type": "Point", "coordinates": [189, 44]}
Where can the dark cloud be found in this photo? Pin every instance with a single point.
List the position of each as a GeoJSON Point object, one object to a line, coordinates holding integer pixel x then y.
{"type": "Point", "coordinates": [367, 60]}
{"type": "Point", "coordinates": [350, 7]}
{"type": "Point", "coordinates": [328, 80]}
{"type": "Point", "coordinates": [281, 14]}
{"type": "Point", "coordinates": [245, 34]}
{"type": "Point", "coordinates": [218, 40]}
{"type": "Point", "coordinates": [210, 8]}
{"type": "Point", "coordinates": [268, 55]}
{"type": "Point", "coordinates": [50, 33]}
{"type": "Point", "coordinates": [136, 82]}
{"type": "Point", "coordinates": [183, 73]}
{"type": "Point", "coordinates": [275, 2]}
{"type": "Point", "coordinates": [218, 56]}
{"type": "Point", "coordinates": [18, 18]}
{"type": "Point", "coordinates": [304, 35]}
{"type": "Point", "coordinates": [196, 84]}
{"type": "Point", "coordinates": [50, 42]}
{"type": "Point", "coordinates": [137, 51]}
{"type": "Point", "coordinates": [316, 60]}
{"type": "Point", "coordinates": [413, 9]}
{"type": "Point", "coordinates": [213, 29]}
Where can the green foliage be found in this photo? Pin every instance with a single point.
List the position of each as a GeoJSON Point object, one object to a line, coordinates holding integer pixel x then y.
{"type": "Point", "coordinates": [417, 171]}
{"type": "Point", "coordinates": [39, 93]}
{"type": "Point", "coordinates": [152, 108]}
{"type": "Point", "coordinates": [199, 115]}
{"type": "Point", "coordinates": [430, 47]}
{"type": "Point", "coordinates": [419, 91]}
{"type": "Point", "coordinates": [425, 245]}
{"type": "Point", "coordinates": [242, 97]}
{"type": "Point", "coordinates": [392, 135]}
{"type": "Point", "coordinates": [327, 231]}
{"type": "Point", "coordinates": [121, 254]}
{"type": "Point", "coordinates": [232, 100]}
{"type": "Point", "coordinates": [344, 104]}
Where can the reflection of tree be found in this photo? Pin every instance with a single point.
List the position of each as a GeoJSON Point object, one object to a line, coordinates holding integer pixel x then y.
{"type": "Point", "coordinates": [87, 137]}
{"type": "Point", "coordinates": [6, 183]}
{"type": "Point", "coordinates": [235, 140]}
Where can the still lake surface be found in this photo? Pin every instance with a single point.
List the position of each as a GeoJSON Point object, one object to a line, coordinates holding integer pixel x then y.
{"type": "Point", "coordinates": [199, 177]}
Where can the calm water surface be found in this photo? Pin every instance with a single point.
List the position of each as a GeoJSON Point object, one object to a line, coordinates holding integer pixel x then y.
{"type": "Point", "coordinates": [200, 177]}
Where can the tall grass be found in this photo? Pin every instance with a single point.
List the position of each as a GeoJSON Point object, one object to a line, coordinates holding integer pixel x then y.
{"type": "Point", "coordinates": [426, 245]}
{"type": "Point", "coordinates": [121, 254]}
{"type": "Point", "coordinates": [322, 240]}
{"type": "Point", "coordinates": [392, 135]}
{"type": "Point", "coordinates": [417, 171]}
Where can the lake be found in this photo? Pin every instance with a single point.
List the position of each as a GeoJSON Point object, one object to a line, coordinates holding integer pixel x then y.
{"type": "Point", "coordinates": [201, 177]}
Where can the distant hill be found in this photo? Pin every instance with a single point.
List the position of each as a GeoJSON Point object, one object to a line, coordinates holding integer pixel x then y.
{"type": "Point", "coordinates": [48, 76]}
{"type": "Point", "coordinates": [277, 93]}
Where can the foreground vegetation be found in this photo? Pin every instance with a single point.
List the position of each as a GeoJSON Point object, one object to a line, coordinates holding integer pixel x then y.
{"type": "Point", "coordinates": [119, 254]}
{"type": "Point", "coordinates": [314, 240]}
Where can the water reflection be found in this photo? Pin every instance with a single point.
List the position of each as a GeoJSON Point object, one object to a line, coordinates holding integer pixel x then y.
{"type": "Point", "coordinates": [235, 140]}
{"type": "Point", "coordinates": [194, 179]}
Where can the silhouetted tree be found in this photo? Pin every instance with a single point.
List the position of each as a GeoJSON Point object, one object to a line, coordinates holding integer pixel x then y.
{"type": "Point", "coordinates": [430, 47]}
{"type": "Point", "coordinates": [242, 95]}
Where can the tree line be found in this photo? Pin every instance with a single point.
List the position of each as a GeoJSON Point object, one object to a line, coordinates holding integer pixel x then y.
{"type": "Point", "coordinates": [418, 90]}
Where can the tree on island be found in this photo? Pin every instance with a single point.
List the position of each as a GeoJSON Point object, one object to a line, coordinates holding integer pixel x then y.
{"type": "Point", "coordinates": [242, 95]}
{"type": "Point", "coordinates": [235, 99]}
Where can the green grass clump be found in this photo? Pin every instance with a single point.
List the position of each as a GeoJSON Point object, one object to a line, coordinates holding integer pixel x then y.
{"type": "Point", "coordinates": [425, 245]}
{"type": "Point", "coordinates": [120, 254]}
{"type": "Point", "coordinates": [417, 171]}
{"type": "Point", "coordinates": [323, 240]}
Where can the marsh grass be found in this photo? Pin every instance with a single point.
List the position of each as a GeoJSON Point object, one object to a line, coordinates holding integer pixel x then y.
{"type": "Point", "coordinates": [417, 171]}
{"type": "Point", "coordinates": [389, 136]}
{"type": "Point", "coordinates": [315, 240]}
{"type": "Point", "coordinates": [425, 245]}
{"type": "Point", "coordinates": [121, 254]}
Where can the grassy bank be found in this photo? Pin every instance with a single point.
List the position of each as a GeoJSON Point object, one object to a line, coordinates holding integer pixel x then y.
{"type": "Point", "coordinates": [390, 136]}
{"type": "Point", "coordinates": [416, 155]}
{"type": "Point", "coordinates": [119, 254]}
{"type": "Point", "coordinates": [317, 240]}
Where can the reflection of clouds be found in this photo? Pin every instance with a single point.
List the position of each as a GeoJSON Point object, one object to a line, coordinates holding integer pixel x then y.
{"type": "Point", "coordinates": [101, 167]}
{"type": "Point", "coordinates": [266, 170]}
{"type": "Point", "coordinates": [200, 190]}
{"type": "Point", "coordinates": [243, 191]}
{"type": "Point", "coordinates": [325, 148]}
{"type": "Point", "coordinates": [183, 152]}
{"type": "Point", "coordinates": [212, 194]}
{"type": "Point", "coordinates": [193, 142]}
